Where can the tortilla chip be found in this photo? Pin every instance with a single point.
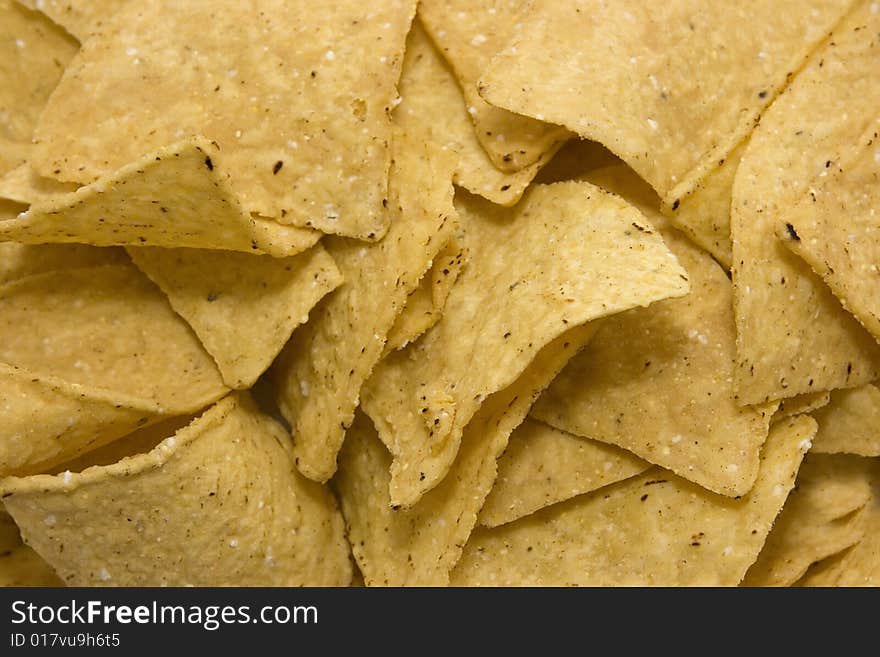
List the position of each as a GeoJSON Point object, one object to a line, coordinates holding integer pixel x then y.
{"type": "Point", "coordinates": [218, 503]}
{"type": "Point", "coordinates": [9, 534]}
{"type": "Point", "coordinates": [819, 519]}
{"type": "Point", "coordinates": [23, 567]}
{"type": "Point", "coordinates": [801, 404]}
{"type": "Point", "coordinates": [850, 424]}
{"type": "Point", "coordinates": [321, 371]}
{"type": "Point", "coordinates": [860, 565]}
{"type": "Point", "coordinates": [33, 55]}
{"type": "Point", "coordinates": [242, 307]}
{"type": "Point", "coordinates": [622, 73]}
{"type": "Point", "coordinates": [833, 228]}
{"type": "Point", "coordinates": [542, 466]}
{"type": "Point", "coordinates": [652, 530]}
{"type": "Point", "coordinates": [424, 306]}
{"type": "Point", "coordinates": [110, 328]}
{"type": "Point", "coordinates": [470, 33]}
{"type": "Point", "coordinates": [298, 118]}
{"type": "Point", "coordinates": [47, 420]}
{"type": "Point", "coordinates": [79, 17]}
{"type": "Point", "coordinates": [792, 335]}
{"type": "Point", "coordinates": [21, 260]}
{"type": "Point", "coordinates": [420, 545]}
{"type": "Point", "coordinates": [671, 401]}
{"type": "Point", "coordinates": [433, 109]}
{"type": "Point", "coordinates": [176, 197]}
{"type": "Point", "coordinates": [598, 256]}
{"type": "Point", "coordinates": [24, 186]}
{"type": "Point", "coordinates": [704, 214]}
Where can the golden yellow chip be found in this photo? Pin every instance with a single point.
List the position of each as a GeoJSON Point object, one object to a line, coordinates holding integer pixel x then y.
{"type": "Point", "coordinates": [179, 196]}
{"type": "Point", "coordinates": [652, 530]}
{"type": "Point", "coordinates": [670, 400]}
{"type": "Point", "coordinates": [835, 228]}
{"type": "Point", "coordinates": [793, 337]}
{"type": "Point", "coordinates": [470, 33]}
{"type": "Point", "coordinates": [809, 401]}
{"type": "Point", "coordinates": [670, 87]}
{"type": "Point", "coordinates": [850, 424]}
{"type": "Point", "coordinates": [542, 466]}
{"type": "Point", "coordinates": [433, 109]}
{"type": "Point", "coordinates": [21, 566]}
{"type": "Point", "coordinates": [23, 185]}
{"type": "Point", "coordinates": [33, 54]}
{"type": "Point", "coordinates": [420, 545]}
{"type": "Point", "coordinates": [242, 307]}
{"type": "Point", "coordinates": [859, 565]}
{"type": "Point", "coordinates": [819, 519]}
{"type": "Point", "coordinates": [321, 371]}
{"type": "Point", "coordinates": [567, 254]}
{"type": "Point", "coordinates": [240, 513]}
{"type": "Point", "coordinates": [298, 101]}
{"type": "Point", "coordinates": [79, 17]}
{"type": "Point", "coordinates": [424, 306]}
{"type": "Point", "coordinates": [20, 260]}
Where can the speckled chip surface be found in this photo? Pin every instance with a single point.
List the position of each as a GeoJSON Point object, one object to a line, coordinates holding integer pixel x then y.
{"type": "Point", "coordinates": [295, 93]}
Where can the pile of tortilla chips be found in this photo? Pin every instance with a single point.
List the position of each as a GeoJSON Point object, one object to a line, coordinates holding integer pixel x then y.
{"type": "Point", "coordinates": [440, 292]}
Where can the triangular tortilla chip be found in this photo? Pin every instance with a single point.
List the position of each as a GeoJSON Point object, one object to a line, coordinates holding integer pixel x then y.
{"type": "Point", "coordinates": [652, 530]}
{"type": "Point", "coordinates": [79, 17]}
{"type": "Point", "coordinates": [110, 328]}
{"type": "Point", "coordinates": [850, 424]}
{"type": "Point", "coordinates": [243, 307]}
{"type": "Point", "coordinates": [470, 33]}
{"type": "Point", "coordinates": [597, 256]}
{"type": "Point", "coordinates": [835, 229]}
{"type": "Point", "coordinates": [432, 108]}
{"type": "Point", "coordinates": [805, 403]}
{"type": "Point", "coordinates": [21, 260]}
{"type": "Point", "coordinates": [819, 519]}
{"type": "Point", "coordinates": [424, 306]}
{"type": "Point", "coordinates": [671, 400]}
{"type": "Point", "coordinates": [23, 185]}
{"type": "Point", "coordinates": [218, 503]}
{"type": "Point", "coordinates": [420, 545]}
{"type": "Point", "coordinates": [542, 466]}
{"type": "Point", "coordinates": [704, 214]}
{"type": "Point", "coordinates": [33, 55]}
{"type": "Point", "coordinates": [792, 335]}
{"type": "Point", "coordinates": [625, 74]}
{"type": "Point", "coordinates": [177, 197]}
{"type": "Point", "coordinates": [47, 420]}
{"type": "Point", "coordinates": [321, 371]}
{"type": "Point", "coordinates": [295, 93]}
{"type": "Point", "coordinates": [860, 565]}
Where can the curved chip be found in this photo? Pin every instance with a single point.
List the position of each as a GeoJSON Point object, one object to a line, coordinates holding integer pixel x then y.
{"type": "Point", "coordinates": [819, 519]}
{"type": "Point", "coordinates": [470, 33]}
{"type": "Point", "coordinates": [33, 55]}
{"type": "Point", "coordinates": [598, 256]}
{"type": "Point", "coordinates": [623, 73]}
{"type": "Point", "coordinates": [79, 17]}
{"type": "Point", "coordinates": [542, 466]}
{"type": "Point", "coordinates": [104, 353]}
{"type": "Point", "coordinates": [805, 403]}
{"type": "Point", "coordinates": [652, 530]}
{"type": "Point", "coordinates": [420, 545]}
{"type": "Point", "coordinates": [424, 306]}
{"type": "Point", "coordinates": [218, 503]}
{"type": "Point", "coordinates": [21, 260]}
{"type": "Point", "coordinates": [298, 117]}
{"type": "Point", "coordinates": [179, 196]}
{"type": "Point", "coordinates": [793, 337]}
{"type": "Point", "coordinates": [242, 307]}
{"type": "Point", "coordinates": [432, 108]}
{"type": "Point", "coordinates": [850, 423]}
{"type": "Point", "coordinates": [23, 185]}
{"type": "Point", "coordinates": [322, 369]}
